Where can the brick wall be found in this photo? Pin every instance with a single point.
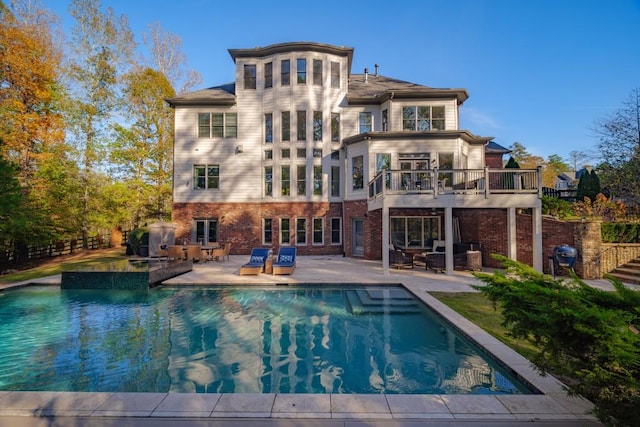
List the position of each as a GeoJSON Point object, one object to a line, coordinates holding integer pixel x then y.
{"type": "Point", "coordinates": [241, 223]}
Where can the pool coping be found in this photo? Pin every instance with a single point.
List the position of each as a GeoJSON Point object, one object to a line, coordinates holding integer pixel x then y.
{"type": "Point", "coordinates": [553, 404]}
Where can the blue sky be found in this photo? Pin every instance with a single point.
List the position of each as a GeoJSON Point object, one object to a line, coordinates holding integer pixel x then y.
{"type": "Point", "coordinates": [539, 72]}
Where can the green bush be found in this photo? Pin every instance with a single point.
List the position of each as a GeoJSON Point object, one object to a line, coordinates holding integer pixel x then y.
{"type": "Point", "coordinates": [556, 207]}
{"type": "Point", "coordinates": [582, 333]}
{"type": "Point", "coordinates": [617, 232]}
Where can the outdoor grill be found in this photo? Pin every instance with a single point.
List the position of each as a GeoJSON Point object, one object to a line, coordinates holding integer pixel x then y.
{"type": "Point", "coordinates": [565, 255]}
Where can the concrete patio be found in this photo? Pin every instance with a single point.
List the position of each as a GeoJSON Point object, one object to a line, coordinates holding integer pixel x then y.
{"type": "Point", "coordinates": [551, 408]}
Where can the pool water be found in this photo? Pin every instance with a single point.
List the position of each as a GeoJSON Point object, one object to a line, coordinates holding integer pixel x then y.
{"type": "Point", "coordinates": [302, 339]}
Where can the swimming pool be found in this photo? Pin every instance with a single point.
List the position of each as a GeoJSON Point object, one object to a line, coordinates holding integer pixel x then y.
{"type": "Point", "coordinates": [299, 339]}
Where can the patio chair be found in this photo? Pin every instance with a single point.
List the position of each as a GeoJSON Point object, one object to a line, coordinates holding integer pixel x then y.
{"type": "Point", "coordinates": [286, 260]}
{"type": "Point", "coordinates": [194, 252]}
{"type": "Point", "coordinates": [400, 259]}
{"type": "Point", "coordinates": [221, 253]}
{"type": "Point", "coordinates": [175, 252]}
{"type": "Point", "coordinates": [256, 262]}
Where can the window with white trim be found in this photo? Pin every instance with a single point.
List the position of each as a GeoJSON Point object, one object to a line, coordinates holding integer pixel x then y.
{"type": "Point", "coordinates": [285, 72]}
{"type": "Point", "coordinates": [285, 180]}
{"type": "Point", "coordinates": [268, 128]}
{"type": "Point", "coordinates": [335, 74]}
{"type": "Point", "coordinates": [336, 231]}
{"type": "Point", "coordinates": [286, 125]}
{"type": "Point", "coordinates": [423, 118]}
{"type": "Point", "coordinates": [317, 72]}
{"type": "Point", "coordinates": [365, 121]}
{"type": "Point", "coordinates": [301, 116]}
{"type": "Point", "coordinates": [318, 231]}
{"type": "Point", "coordinates": [414, 231]}
{"type": "Point", "coordinates": [357, 172]}
{"type": "Point", "coordinates": [268, 180]}
{"type": "Point", "coordinates": [250, 76]}
{"type": "Point", "coordinates": [317, 125]}
{"type": "Point", "coordinates": [205, 231]}
{"type": "Point", "coordinates": [285, 231]}
{"type": "Point", "coordinates": [301, 70]}
{"type": "Point", "coordinates": [268, 75]}
{"type": "Point", "coordinates": [301, 187]}
{"type": "Point", "coordinates": [317, 180]}
{"type": "Point", "coordinates": [335, 127]}
{"type": "Point", "coordinates": [206, 177]}
{"type": "Point", "coordinates": [301, 231]}
{"type": "Point", "coordinates": [217, 125]}
{"type": "Point", "coordinates": [267, 231]}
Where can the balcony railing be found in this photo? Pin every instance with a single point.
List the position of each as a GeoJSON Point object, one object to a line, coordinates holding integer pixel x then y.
{"type": "Point", "coordinates": [457, 181]}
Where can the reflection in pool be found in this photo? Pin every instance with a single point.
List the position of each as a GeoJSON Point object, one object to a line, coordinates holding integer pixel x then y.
{"type": "Point", "coordinates": [302, 339]}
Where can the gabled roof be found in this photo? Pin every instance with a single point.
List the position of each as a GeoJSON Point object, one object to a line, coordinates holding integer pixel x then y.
{"type": "Point", "coordinates": [375, 89]}
{"type": "Point", "coordinates": [218, 95]}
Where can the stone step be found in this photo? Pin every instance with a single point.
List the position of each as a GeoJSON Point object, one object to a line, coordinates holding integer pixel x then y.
{"type": "Point", "coordinates": [357, 306]}
{"type": "Point", "coordinates": [626, 278]}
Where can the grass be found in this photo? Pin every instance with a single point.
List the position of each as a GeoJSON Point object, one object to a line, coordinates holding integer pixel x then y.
{"type": "Point", "coordinates": [479, 310]}
{"type": "Point", "coordinates": [55, 266]}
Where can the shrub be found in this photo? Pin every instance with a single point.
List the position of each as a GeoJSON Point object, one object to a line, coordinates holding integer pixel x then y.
{"type": "Point", "coordinates": [138, 237]}
{"type": "Point", "coordinates": [556, 207]}
{"type": "Point", "coordinates": [582, 333]}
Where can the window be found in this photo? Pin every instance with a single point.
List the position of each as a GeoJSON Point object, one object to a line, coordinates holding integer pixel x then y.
{"type": "Point", "coordinates": [302, 180]}
{"type": "Point", "coordinates": [318, 231]}
{"type": "Point", "coordinates": [414, 231]}
{"type": "Point", "coordinates": [286, 126]}
{"type": "Point", "coordinates": [302, 125]}
{"type": "Point", "coordinates": [267, 231]}
{"type": "Point", "coordinates": [285, 72]}
{"type": "Point", "coordinates": [336, 231]}
{"type": "Point", "coordinates": [217, 125]}
{"type": "Point", "coordinates": [317, 153]}
{"type": "Point", "coordinates": [285, 153]}
{"type": "Point", "coordinates": [423, 118]}
{"type": "Point", "coordinates": [335, 127]}
{"type": "Point", "coordinates": [317, 180]}
{"type": "Point", "coordinates": [383, 161]}
{"type": "Point", "coordinates": [317, 125]}
{"type": "Point", "coordinates": [385, 120]}
{"type": "Point", "coordinates": [301, 69]}
{"type": "Point", "coordinates": [205, 231]}
{"type": "Point", "coordinates": [231, 125]}
{"type": "Point", "coordinates": [285, 231]}
{"type": "Point", "coordinates": [335, 74]}
{"type": "Point", "coordinates": [301, 231]}
{"type": "Point", "coordinates": [268, 181]}
{"type": "Point", "coordinates": [250, 76]}
{"type": "Point", "coordinates": [357, 172]}
{"type": "Point", "coordinates": [206, 177]}
{"type": "Point", "coordinates": [268, 154]}
{"type": "Point", "coordinates": [317, 72]}
{"type": "Point", "coordinates": [335, 181]}
{"type": "Point", "coordinates": [301, 153]}
{"type": "Point", "coordinates": [268, 75]}
{"type": "Point", "coordinates": [335, 155]}
{"type": "Point", "coordinates": [268, 128]}
{"type": "Point", "coordinates": [365, 122]}
{"type": "Point", "coordinates": [285, 180]}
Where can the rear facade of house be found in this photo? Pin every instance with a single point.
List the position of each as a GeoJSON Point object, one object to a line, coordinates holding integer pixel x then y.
{"type": "Point", "coordinates": [298, 151]}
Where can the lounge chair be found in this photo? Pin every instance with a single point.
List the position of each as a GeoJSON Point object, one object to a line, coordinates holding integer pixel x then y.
{"type": "Point", "coordinates": [256, 262]}
{"type": "Point", "coordinates": [286, 261]}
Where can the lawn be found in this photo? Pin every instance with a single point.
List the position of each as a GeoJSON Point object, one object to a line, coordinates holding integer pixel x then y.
{"type": "Point", "coordinates": [478, 309]}
{"type": "Point", "coordinates": [54, 266]}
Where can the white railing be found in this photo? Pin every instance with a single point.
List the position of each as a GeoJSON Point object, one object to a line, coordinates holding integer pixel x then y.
{"type": "Point", "coordinates": [457, 182]}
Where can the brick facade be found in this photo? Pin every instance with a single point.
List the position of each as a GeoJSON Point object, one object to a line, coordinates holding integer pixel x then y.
{"type": "Point", "coordinates": [241, 223]}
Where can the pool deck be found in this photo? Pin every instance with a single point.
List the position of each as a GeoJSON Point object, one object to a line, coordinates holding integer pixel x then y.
{"type": "Point", "coordinates": [551, 408]}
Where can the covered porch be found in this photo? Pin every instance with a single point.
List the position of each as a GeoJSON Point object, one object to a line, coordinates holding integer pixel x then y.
{"type": "Point", "coordinates": [443, 191]}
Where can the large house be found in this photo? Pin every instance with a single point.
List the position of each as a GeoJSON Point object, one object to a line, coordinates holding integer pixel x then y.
{"type": "Point", "coordinates": [298, 150]}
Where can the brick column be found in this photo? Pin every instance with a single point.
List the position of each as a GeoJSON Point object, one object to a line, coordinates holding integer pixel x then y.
{"type": "Point", "coordinates": [588, 241]}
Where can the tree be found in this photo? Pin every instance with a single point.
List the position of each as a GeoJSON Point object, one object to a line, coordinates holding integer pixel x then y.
{"type": "Point", "coordinates": [168, 58]}
{"type": "Point", "coordinates": [579, 158]}
{"type": "Point", "coordinates": [102, 49]}
{"type": "Point", "coordinates": [582, 333]}
{"type": "Point", "coordinates": [619, 145]}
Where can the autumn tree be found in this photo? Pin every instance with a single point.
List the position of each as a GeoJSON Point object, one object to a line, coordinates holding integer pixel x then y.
{"type": "Point", "coordinates": [141, 152]}
{"type": "Point", "coordinates": [102, 48]}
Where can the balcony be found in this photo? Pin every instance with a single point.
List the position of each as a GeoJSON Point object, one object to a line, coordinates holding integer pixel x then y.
{"type": "Point", "coordinates": [456, 188]}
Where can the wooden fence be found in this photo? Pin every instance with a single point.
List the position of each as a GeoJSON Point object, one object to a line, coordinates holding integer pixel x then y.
{"type": "Point", "coordinates": [9, 257]}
